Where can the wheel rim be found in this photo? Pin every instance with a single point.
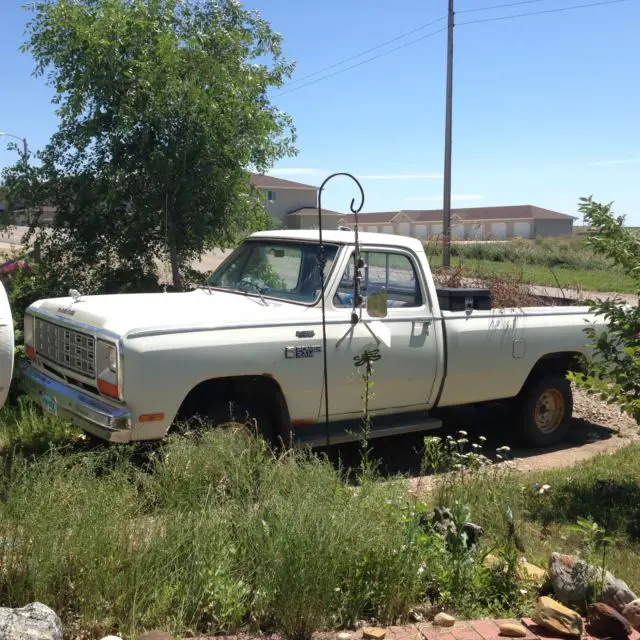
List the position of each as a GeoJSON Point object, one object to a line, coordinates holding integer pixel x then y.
{"type": "Point", "coordinates": [549, 410]}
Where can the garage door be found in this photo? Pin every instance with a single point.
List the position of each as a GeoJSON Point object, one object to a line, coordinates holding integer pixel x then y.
{"type": "Point", "coordinates": [404, 228]}
{"type": "Point", "coordinates": [387, 229]}
{"type": "Point", "coordinates": [421, 230]}
{"type": "Point", "coordinates": [457, 231]}
{"type": "Point", "coordinates": [498, 230]}
{"type": "Point", "coordinates": [476, 232]}
{"type": "Point", "coordinates": [436, 230]}
{"type": "Point", "coordinates": [522, 229]}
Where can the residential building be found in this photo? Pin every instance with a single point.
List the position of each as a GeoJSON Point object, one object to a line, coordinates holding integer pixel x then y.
{"type": "Point", "coordinates": [293, 204]}
{"type": "Point", "coordinates": [474, 223]}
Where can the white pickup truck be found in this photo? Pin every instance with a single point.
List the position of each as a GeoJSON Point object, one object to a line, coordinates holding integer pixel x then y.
{"type": "Point", "coordinates": [129, 367]}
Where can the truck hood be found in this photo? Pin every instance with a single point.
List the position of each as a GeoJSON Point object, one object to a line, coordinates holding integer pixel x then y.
{"type": "Point", "coordinates": [124, 313]}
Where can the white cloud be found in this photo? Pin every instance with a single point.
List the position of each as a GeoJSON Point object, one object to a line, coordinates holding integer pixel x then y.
{"type": "Point", "coordinates": [403, 176]}
{"type": "Point", "coordinates": [455, 197]}
{"type": "Point", "coordinates": [607, 163]}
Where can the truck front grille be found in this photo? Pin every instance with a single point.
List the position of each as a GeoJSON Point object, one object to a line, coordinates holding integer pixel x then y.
{"type": "Point", "coordinates": [66, 347]}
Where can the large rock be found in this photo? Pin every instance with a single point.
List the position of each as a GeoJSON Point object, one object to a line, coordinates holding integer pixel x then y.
{"type": "Point", "coordinates": [33, 622]}
{"type": "Point", "coordinates": [443, 619]}
{"type": "Point", "coordinates": [573, 582]}
{"type": "Point", "coordinates": [606, 622]}
{"type": "Point", "coordinates": [632, 613]}
{"type": "Point", "coordinates": [555, 617]}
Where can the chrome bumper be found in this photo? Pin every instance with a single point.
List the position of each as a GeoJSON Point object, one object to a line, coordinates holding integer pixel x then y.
{"type": "Point", "coordinates": [90, 414]}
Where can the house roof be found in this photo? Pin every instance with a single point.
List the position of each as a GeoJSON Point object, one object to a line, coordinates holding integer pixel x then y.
{"type": "Point", "coordinates": [511, 212]}
{"type": "Point", "coordinates": [269, 182]}
{"type": "Point", "coordinates": [312, 211]}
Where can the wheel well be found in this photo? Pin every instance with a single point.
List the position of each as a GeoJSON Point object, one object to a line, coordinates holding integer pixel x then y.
{"type": "Point", "coordinates": [263, 390]}
{"type": "Point", "coordinates": [560, 363]}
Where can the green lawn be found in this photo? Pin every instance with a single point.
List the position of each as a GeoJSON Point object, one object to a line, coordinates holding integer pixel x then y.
{"type": "Point", "coordinates": [608, 281]}
{"type": "Point", "coordinates": [606, 487]}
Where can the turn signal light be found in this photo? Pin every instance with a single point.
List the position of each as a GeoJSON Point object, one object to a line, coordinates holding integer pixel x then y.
{"type": "Point", "coordinates": [108, 388]}
{"type": "Point", "coordinates": [151, 417]}
{"type": "Point", "coordinates": [30, 351]}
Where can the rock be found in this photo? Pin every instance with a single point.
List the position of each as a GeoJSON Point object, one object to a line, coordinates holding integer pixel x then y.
{"type": "Point", "coordinates": [606, 622]}
{"type": "Point", "coordinates": [616, 593]}
{"type": "Point", "coordinates": [572, 580]}
{"type": "Point", "coordinates": [555, 617]}
{"type": "Point", "coordinates": [443, 619]}
{"type": "Point", "coordinates": [512, 630]}
{"type": "Point", "coordinates": [531, 571]}
{"type": "Point", "coordinates": [111, 638]}
{"type": "Point", "coordinates": [631, 612]}
{"type": "Point", "coordinates": [33, 622]}
{"type": "Point", "coordinates": [374, 633]}
{"type": "Point", "coordinates": [344, 635]}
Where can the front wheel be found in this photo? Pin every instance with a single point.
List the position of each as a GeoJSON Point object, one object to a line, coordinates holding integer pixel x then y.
{"type": "Point", "coordinates": [546, 407]}
{"type": "Point", "coordinates": [244, 413]}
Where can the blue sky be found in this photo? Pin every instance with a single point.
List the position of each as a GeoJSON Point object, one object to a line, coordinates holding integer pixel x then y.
{"type": "Point", "coordinates": [546, 107]}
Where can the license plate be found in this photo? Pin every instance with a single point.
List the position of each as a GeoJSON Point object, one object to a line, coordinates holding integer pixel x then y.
{"type": "Point", "coordinates": [49, 404]}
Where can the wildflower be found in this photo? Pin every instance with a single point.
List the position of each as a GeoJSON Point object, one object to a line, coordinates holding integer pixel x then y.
{"type": "Point", "coordinates": [482, 439]}
{"type": "Point", "coordinates": [503, 449]}
{"type": "Point", "coordinates": [421, 568]}
{"type": "Point", "coordinates": [475, 446]}
{"type": "Point", "coordinates": [524, 591]}
{"type": "Point", "coordinates": [464, 434]}
{"type": "Point", "coordinates": [337, 589]}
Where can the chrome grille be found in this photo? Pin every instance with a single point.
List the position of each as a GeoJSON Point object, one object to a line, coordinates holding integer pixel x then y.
{"type": "Point", "coordinates": [68, 348]}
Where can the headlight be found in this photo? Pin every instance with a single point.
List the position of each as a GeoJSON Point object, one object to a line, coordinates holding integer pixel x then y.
{"type": "Point", "coordinates": [107, 368]}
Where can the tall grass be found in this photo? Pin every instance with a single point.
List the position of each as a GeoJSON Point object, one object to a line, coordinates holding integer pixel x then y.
{"type": "Point", "coordinates": [564, 252]}
{"type": "Point", "coordinates": [214, 535]}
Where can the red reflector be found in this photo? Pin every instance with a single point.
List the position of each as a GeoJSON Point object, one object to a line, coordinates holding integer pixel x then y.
{"type": "Point", "coordinates": [108, 388]}
{"type": "Point", "coordinates": [30, 351]}
{"type": "Point", "coordinates": [151, 417]}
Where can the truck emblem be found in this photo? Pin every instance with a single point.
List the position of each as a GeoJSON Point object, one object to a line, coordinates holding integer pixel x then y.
{"type": "Point", "coordinates": [66, 310]}
{"type": "Point", "coordinates": [306, 351]}
{"type": "Point", "coordinates": [305, 334]}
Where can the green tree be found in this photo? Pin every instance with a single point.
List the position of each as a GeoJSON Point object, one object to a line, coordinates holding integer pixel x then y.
{"type": "Point", "coordinates": [163, 107]}
{"type": "Point", "coordinates": [614, 370]}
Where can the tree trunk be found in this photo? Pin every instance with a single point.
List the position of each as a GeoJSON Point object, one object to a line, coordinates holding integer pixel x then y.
{"type": "Point", "coordinates": [173, 257]}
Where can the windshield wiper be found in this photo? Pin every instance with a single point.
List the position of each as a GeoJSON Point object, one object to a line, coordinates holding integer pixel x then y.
{"type": "Point", "coordinates": [258, 288]}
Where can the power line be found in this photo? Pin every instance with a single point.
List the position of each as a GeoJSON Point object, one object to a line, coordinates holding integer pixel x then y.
{"type": "Point", "coordinates": [378, 46]}
{"type": "Point", "coordinates": [431, 34]}
{"type": "Point", "coordinates": [404, 35]}
{"type": "Point", "coordinates": [359, 64]}
{"type": "Point", "coordinates": [497, 6]}
{"type": "Point", "coordinates": [537, 13]}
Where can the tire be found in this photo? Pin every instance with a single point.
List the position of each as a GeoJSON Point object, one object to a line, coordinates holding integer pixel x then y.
{"type": "Point", "coordinates": [243, 413]}
{"type": "Point", "coordinates": [546, 407]}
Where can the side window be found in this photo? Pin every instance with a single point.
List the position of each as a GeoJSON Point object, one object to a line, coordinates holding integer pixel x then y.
{"type": "Point", "coordinates": [391, 271]}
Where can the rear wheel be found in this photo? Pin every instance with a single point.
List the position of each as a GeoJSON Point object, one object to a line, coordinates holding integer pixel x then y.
{"type": "Point", "coordinates": [546, 407]}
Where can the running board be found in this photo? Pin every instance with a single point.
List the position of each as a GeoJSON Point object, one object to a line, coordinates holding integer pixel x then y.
{"type": "Point", "coordinates": [349, 431]}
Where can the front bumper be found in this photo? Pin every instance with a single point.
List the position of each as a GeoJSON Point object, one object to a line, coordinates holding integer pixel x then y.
{"type": "Point", "coordinates": [90, 414]}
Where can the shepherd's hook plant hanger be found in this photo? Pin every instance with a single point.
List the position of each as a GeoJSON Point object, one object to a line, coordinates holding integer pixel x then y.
{"type": "Point", "coordinates": [357, 280]}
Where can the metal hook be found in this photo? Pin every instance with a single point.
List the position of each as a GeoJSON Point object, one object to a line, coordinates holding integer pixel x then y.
{"type": "Point", "coordinates": [321, 263]}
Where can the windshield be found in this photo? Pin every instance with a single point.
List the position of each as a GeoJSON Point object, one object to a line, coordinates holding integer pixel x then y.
{"type": "Point", "coordinates": [274, 268]}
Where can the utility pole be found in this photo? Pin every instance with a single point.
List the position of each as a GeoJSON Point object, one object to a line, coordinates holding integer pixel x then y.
{"type": "Point", "coordinates": [446, 197]}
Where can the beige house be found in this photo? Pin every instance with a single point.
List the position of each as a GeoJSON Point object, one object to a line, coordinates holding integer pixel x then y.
{"type": "Point", "coordinates": [474, 223]}
{"type": "Point", "coordinates": [293, 204]}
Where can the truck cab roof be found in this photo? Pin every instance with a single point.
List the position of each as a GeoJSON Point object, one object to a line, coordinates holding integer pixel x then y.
{"type": "Point", "coordinates": [342, 237]}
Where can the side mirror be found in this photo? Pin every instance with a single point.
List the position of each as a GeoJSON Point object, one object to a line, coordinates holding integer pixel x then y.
{"type": "Point", "coordinates": [377, 304]}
